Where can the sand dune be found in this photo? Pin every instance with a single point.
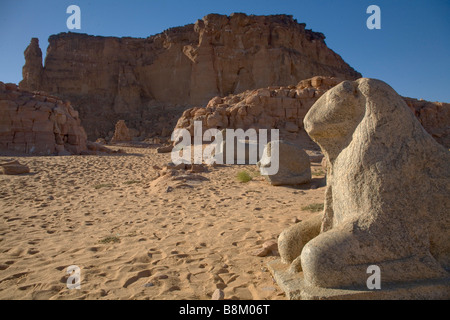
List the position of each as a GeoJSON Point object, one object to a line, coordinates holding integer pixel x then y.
{"type": "Point", "coordinates": [136, 239]}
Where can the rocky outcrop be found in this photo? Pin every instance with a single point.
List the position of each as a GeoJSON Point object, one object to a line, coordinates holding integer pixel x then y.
{"type": "Point", "coordinates": [284, 108]}
{"type": "Point", "coordinates": [434, 117]}
{"type": "Point", "coordinates": [38, 123]}
{"type": "Point", "coordinates": [111, 78]}
{"type": "Point", "coordinates": [32, 70]}
{"type": "Point", "coordinates": [386, 201]}
{"type": "Point", "coordinates": [121, 132]}
{"type": "Point", "coordinates": [268, 108]}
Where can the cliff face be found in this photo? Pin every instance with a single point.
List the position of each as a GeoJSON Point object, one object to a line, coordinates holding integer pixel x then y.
{"type": "Point", "coordinates": [111, 78]}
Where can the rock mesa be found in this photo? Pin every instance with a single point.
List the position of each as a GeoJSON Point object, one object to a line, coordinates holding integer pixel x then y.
{"type": "Point", "coordinates": [110, 78]}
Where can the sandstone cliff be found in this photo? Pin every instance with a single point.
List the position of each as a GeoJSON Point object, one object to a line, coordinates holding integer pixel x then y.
{"type": "Point", "coordinates": [284, 108]}
{"type": "Point", "coordinates": [434, 117]}
{"type": "Point", "coordinates": [39, 124]}
{"type": "Point", "coordinates": [111, 78]}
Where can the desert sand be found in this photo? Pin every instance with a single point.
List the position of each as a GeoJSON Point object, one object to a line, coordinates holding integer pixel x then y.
{"type": "Point", "coordinates": [134, 237]}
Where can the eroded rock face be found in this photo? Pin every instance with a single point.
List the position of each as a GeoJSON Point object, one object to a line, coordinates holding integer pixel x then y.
{"type": "Point", "coordinates": [37, 123]}
{"type": "Point", "coordinates": [121, 132]}
{"type": "Point", "coordinates": [268, 108]}
{"type": "Point", "coordinates": [386, 201]}
{"type": "Point", "coordinates": [284, 108]}
{"type": "Point", "coordinates": [434, 117]}
{"type": "Point", "coordinates": [32, 70]}
{"type": "Point", "coordinates": [126, 78]}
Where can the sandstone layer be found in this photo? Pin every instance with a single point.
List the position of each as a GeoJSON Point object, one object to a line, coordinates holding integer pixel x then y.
{"type": "Point", "coordinates": [386, 202]}
{"type": "Point", "coordinates": [284, 108]}
{"type": "Point", "coordinates": [267, 108]}
{"type": "Point", "coordinates": [38, 123]}
{"type": "Point", "coordinates": [121, 132]}
{"type": "Point", "coordinates": [110, 78]}
{"type": "Point", "coordinates": [434, 117]}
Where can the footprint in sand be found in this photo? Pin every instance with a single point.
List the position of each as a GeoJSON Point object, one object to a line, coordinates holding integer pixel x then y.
{"type": "Point", "coordinates": [141, 274]}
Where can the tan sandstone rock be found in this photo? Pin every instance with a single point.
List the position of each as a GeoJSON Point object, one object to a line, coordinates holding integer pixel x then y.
{"type": "Point", "coordinates": [13, 168]}
{"type": "Point", "coordinates": [386, 201]}
{"type": "Point", "coordinates": [284, 108]}
{"type": "Point", "coordinates": [38, 123]}
{"type": "Point", "coordinates": [127, 78]}
{"type": "Point", "coordinates": [121, 132]}
{"type": "Point", "coordinates": [294, 166]}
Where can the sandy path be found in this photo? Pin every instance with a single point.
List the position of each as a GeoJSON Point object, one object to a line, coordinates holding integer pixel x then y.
{"type": "Point", "coordinates": [181, 244]}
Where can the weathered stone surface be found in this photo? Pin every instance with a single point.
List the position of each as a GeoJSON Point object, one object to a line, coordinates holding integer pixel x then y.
{"type": "Point", "coordinates": [218, 295]}
{"type": "Point", "coordinates": [164, 149]}
{"type": "Point", "coordinates": [294, 164]}
{"type": "Point", "coordinates": [386, 202]}
{"type": "Point", "coordinates": [267, 108]}
{"type": "Point", "coordinates": [121, 132]}
{"type": "Point", "coordinates": [13, 168]}
{"type": "Point", "coordinates": [295, 288]}
{"type": "Point", "coordinates": [37, 123]}
{"type": "Point", "coordinates": [434, 117]}
{"type": "Point", "coordinates": [33, 69]}
{"type": "Point", "coordinates": [292, 240]}
{"type": "Point", "coordinates": [132, 79]}
{"type": "Point", "coordinates": [284, 108]}
{"type": "Point", "coordinates": [98, 148]}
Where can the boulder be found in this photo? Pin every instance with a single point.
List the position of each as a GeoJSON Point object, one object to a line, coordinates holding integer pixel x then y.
{"type": "Point", "coordinates": [39, 124]}
{"type": "Point", "coordinates": [294, 165]}
{"type": "Point", "coordinates": [13, 168]}
{"type": "Point", "coordinates": [386, 202]}
{"type": "Point", "coordinates": [121, 132]}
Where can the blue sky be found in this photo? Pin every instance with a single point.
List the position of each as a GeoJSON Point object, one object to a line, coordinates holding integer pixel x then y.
{"type": "Point", "coordinates": [411, 52]}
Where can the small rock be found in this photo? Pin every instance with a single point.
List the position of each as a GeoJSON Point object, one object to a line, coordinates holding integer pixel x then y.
{"type": "Point", "coordinates": [181, 166]}
{"type": "Point", "coordinates": [261, 252]}
{"type": "Point", "coordinates": [13, 168]}
{"type": "Point", "coordinates": [218, 295]}
{"type": "Point", "coordinates": [66, 153]}
{"type": "Point", "coordinates": [147, 285]}
{"type": "Point", "coordinates": [296, 220]}
{"type": "Point", "coordinates": [165, 149]}
{"type": "Point", "coordinates": [270, 245]}
{"type": "Point", "coordinates": [197, 168]}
